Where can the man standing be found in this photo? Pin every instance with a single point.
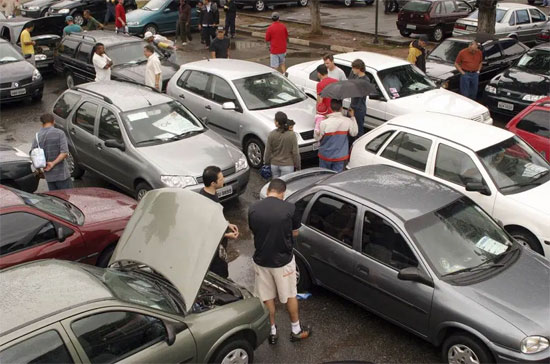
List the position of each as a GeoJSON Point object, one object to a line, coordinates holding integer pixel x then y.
{"type": "Point", "coordinates": [184, 19]}
{"type": "Point", "coordinates": [110, 13]}
{"type": "Point", "coordinates": [71, 26]}
{"type": "Point", "coordinates": [120, 18]}
{"type": "Point", "coordinates": [274, 225]}
{"type": "Point", "coordinates": [153, 71]}
{"type": "Point", "coordinates": [27, 44]}
{"type": "Point", "coordinates": [333, 70]}
{"type": "Point", "coordinates": [323, 103]}
{"type": "Point", "coordinates": [92, 23]}
{"type": "Point", "coordinates": [277, 36]}
{"type": "Point", "coordinates": [469, 62]}
{"type": "Point", "coordinates": [219, 48]}
{"type": "Point", "coordinates": [333, 134]}
{"type": "Point", "coordinates": [359, 104]}
{"type": "Point", "coordinates": [56, 149]}
{"type": "Point", "coordinates": [213, 180]}
{"type": "Point", "coordinates": [230, 17]}
{"type": "Point", "coordinates": [102, 63]}
{"type": "Point", "coordinates": [208, 21]}
{"type": "Point", "coordinates": [417, 52]}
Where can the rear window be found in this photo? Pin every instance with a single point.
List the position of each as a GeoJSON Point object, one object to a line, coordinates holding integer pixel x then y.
{"type": "Point", "coordinates": [417, 6]}
{"type": "Point", "coordinates": [536, 122]}
{"type": "Point", "coordinates": [500, 14]}
{"type": "Point", "coordinates": [65, 104]}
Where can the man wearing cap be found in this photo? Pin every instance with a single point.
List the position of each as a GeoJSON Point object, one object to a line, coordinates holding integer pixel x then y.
{"type": "Point", "coordinates": [277, 37]}
{"type": "Point", "coordinates": [417, 52]}
{"type": "Point", "coordinates": [71, 26]}
{"type": "Point", "coordinates": [468, 63]}
{"type": "Point", "coordinates": [219, 48]}
{"type": "Point", "coordinates": [208, 22]}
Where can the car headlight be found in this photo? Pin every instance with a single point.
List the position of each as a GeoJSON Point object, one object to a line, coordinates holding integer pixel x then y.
{"type": "Point", "coordinates": [532, 98]}
{"type": "Point", "coordinates": [64, 11]}
{"type": "Point", "coordinates": [491, 89]}
{"type": "Point", "coordinates": [534, 344]}
{"type": "Point", "coordinates": [133, 23]}
{"type": "Point", "coordinates": [178, 181]}
{"type": "Point", "coordinates": [40, 57]}
{"type": "Point", "coordinates": [34, 8]}
{"type": "Point", "coordinates": [241, 164]}
{"type": "Point", "coordinates": [36, 75]}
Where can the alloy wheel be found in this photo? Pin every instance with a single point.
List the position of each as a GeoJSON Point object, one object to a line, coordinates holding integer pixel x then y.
{"type": "Point", "coordinates": [141, 193]}
{"type": "Point", "coordinates": [303, 2]}
{"type": "Point", "coordinates": [151, 29]}
{"type": "Point", "coordinates": [69, 80]}
{"type": "Point", "coordinates": [70, 163]}
{"type": "Point", "coordinates": [78, 19]}
{"type": "Point", "coordinates": [260, 5]}
{"type": "Point", "coordinates": [461, 354]}
{"type": "Point", "coordinates": [236, 356]}
{"type": "Point", "coordinates": [348, 2]}
{"type": "Point", "coordinates": [254, 153]}
{"type": "Point", "coordinates": [438, 34]}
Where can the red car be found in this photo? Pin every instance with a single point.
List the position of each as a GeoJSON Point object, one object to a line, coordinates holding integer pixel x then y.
{"type": "Point", "coordinates": [81, 224]}
{"type": "Point", "coordinates": [533, 125]}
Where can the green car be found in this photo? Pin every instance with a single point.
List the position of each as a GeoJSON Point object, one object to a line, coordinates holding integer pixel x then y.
{"type": "Point", "coordinates": [159, 16]}
{"type": "Point", "coordinates": [154, 304]}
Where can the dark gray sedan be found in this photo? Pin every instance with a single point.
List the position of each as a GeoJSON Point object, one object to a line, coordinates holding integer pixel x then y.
{"type": "Point", "coordinates": [424, 257]}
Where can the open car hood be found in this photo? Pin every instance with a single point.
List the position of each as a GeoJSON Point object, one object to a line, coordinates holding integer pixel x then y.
{"type": "Point", "coordinates": [49, 25]}
{"type": "Point", "coordinates": [176, 233]}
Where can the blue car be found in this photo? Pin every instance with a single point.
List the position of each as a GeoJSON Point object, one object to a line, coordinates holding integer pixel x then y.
{"type": "Point", "coordinates": [158, 16]}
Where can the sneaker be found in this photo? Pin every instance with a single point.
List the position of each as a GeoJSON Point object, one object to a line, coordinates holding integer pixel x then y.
{"type": "Point", "coordinates": [272, 339]}
{"type": "Point", "coordinates": [302, 335]}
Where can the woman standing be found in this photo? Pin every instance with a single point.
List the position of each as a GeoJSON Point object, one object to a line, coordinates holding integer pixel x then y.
{"type": "Point", "coordinates": [281, 150]}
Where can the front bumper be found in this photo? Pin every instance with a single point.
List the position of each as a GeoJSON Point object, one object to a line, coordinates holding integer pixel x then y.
{"type": "Point", "coordinates": [505, 355]}
{"type": "Point", "coordinates": [136, 30]}
{"type": "Point", "coordinates": [418, 28]}
{"type": "Point", "coordinates": [13, 94]}
{"type": "Point", "coordinates": [42, 64]}
{"type": "Point", "coordinates": [31, 13]}
{"type": "Point", "coordinates": [491, 102]}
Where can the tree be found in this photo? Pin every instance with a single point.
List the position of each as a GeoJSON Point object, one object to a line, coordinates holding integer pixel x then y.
{"type": "Point", "coordinates": [487, 16]}
{"type": "Point", "coordinates": [315, 14]}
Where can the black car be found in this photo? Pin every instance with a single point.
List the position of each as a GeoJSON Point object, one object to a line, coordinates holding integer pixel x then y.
{"type": "Point", "coordinates": [36, 8]}
{"type": "Point", "coordinates": [46, 33]}
{"type": "Point", "coordinates": [74, 58]}
{"type": "Point", "coordinates": [18, 78]}
{"type": "Point", "coordinates": [498, 54]}
{"type": "Point", "coordinates": [15, 169]}
{"type": "Point", "coordinates": [261, 5]}
{"type": "Point", "coordinates": [76, 8]}
{"type": "Point", "coordinates": [519, 86]}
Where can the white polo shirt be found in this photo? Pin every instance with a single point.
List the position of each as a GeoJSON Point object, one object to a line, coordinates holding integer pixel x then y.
{"type": "Point", "coordinates": [101, 74]}
{"type": "Point", "coordinates": [152, 69]}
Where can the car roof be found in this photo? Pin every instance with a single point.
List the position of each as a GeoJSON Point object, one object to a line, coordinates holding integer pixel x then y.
{"type": "Point", "coordinates": [406, 194]}
{"type": "Point", "coordinates": [18, 20]}
{"type": "Point", "coordinates": [8, 198]}
{"type": "Point", "coordinates": [479, 37]}
{"type": "Point", "coordinates": [506, 6]}
{"type": "Point", "coordinates": [108, 38]}
{"type": "Point", "coordinates": [545, 46]}
{"type": "Point", "coordinates": [43, 288]}
{"type": "Point", "coordinates": [232, 69]}
{"type": "Point", "coordinates": [375, 61]}
{"type": "Point", "coordinates": [468, 133]}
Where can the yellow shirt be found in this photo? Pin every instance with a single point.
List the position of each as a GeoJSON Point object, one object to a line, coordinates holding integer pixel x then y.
{"type": "Point", "coordinates": [26, 37]}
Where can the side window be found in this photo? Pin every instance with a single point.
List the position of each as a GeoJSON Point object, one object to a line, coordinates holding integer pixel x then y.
{"type": "Point", "coordinates": [462, 6]}
{"type": "Point", "coordinates": [450, 6]}
{"type": "Point", "coordinates": [300, 206]}
{"type": "Point", "coordinates": [383, 243]}
{"type": "Point", "coordinates": [196, 83]}
{"type": "Point", "coordinates": [85, 116]}
{"type": "Point", "coordinates": [374, 145]}
{"type": "Point", "coordinates": [65, 104]}
{"type": "Point", "coordinates": [537, 15]}
{"type": "Point", "coordinates": [183, 77]}
{"type": "Point", "coordinates": [536, 122]}
{"type": "Point", "coordinates": [409, 149]}
{"type": "Point", "coordinates": [68, 47]}
{"type": "Point", "coordinates": [439, 8]}
{"type": "Point", "coordinates": [346, 69]}
{"type": "Point", "coordinates": [174, 6]}
{"type": "Point", "coordinates": [84, 53]}
{"type": "Point", "coordinates": [511, 47]}
{"type": "Point", "coordinates": [491, 51]}
{"type": "Point", "coordinates": [21, 230]}
{"type": "Point", "coordinates": [108, 126]}
{"type": "Point", "coordinates": [313, 76]}
{"type": "Point", "coordinates": [455, 166]}
{"type": "Point", "coordinates": [5, 34]}
{"type": "Point", "coordinates": [46, 347]}
{"type": "Point", "coordinates": [111, 336]}
{"type": "Point", "coordinates": [512, 20]}
{"type": "Point", "coordinates": [221, 91]}
{"type": "Point", "coordinates": [522, 17]}
{"type": "Point", "coordinates": [334, 218]}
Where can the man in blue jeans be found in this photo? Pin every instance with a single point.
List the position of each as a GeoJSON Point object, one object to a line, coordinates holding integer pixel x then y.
{"type": "Point", "coordinates": [469, 62]}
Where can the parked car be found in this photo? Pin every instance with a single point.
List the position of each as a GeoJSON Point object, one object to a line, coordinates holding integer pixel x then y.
{"type": "Point", "coordinates": [76, 8]}
{"type": "Point", "coordinates": [533, 125]}
{"type": "Point", "coordinates": [36, 8]}
{"type": "Point", "coordinates": [139, 139]}
{"type": "Point", "coordinates": [417, 252]}
{"type": "Point", "coordinates": [498, 55]}
{"type": "Point", "coordinates": [81, 224]}
{"type": "Point", "coordinates": [433, 17]}
{"type": "Point", "coordinates": [544, 35]}
{"type": "Point", "coordinates": [261, 5]}
{"type": "Point", "coordinates": [15, 169]}
{"type": "Point", "coordinates": [519, 21]}
{"type": "Point", "coordinates": [47, 33]}
{"type": "Point", "coordinates": [402, 88]}
{"type": "Point", "coordinates": [239, 99]}
{"type": "Point", "coordinates": [155, 304]}
{"type": "Point", "coordinates": [18, 78]}
{"type": "Point", "coordinates": [159, 16]}
{"type": "Point", "coordinates": [516, 88]}
{"type": "Point", "coordinates": [74, 58]}
{"type": "Point", "coordinates": [496, 169]}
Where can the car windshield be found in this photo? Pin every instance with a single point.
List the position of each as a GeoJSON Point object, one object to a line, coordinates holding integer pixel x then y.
{"type": "Point", "coordinates": [514, 166]}
{"type": "Point", "coordinates": [458, 238]}
{"type": "Point", "coordinates": [160, 124]}
{"type": "Point", "coordinates": [52, 205]}
{"type": "Point", "coordinates": [417, 6]}
{"type": "Point", "coordinates": [154, 5]}
{"type": "Point", "coordinates": [447, 51]}
{"type": "Point", "coordinates": [9, 54]}
{"type": "Point", "coordinates": [127, 53]}
{"type": "Point", "coordinates": [536, 60]}
{"type": "Point", "coordinates": [267, 91]}
{"type": "Point", "coordinates": [499, 15]}
{"type": "Point", "coordinates": [404, 81]}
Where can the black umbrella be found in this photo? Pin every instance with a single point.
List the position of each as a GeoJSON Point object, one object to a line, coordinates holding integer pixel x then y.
{"type": "Point", "coordinates": [349, 88]}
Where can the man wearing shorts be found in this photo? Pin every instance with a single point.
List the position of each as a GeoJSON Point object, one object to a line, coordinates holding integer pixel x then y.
{"type": "Point", "coordinates": [274, 227]}
{"type": "Point", "coordinates": [277, 36]}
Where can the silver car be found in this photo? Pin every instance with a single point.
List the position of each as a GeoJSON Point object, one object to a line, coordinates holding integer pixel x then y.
{"type": "Point", "coordinates": [239, 99]}
{"type": "Point", "coordinates": [140, 139]}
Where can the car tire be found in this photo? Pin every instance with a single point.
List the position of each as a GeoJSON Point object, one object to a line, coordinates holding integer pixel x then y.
{"type": "Point", "coordinates": [254, 151]}
{"type": "Point", "coordinates": [44, 13]}
{"type": "Point", "coordinates": [75, 170]}
{"type": "Point", "coordinates": [303, 3]}
{"type": "Point", "coordinates": [259, 5]}
{"type": "Point", "coordinates": [141, 189]}
{"type": "Point", "coordinates": [404, 32]}
{"type": "Point", "coordinates": [237, 350]}
{"type": "Point", "coordinates": [438, 34]}
{"type": "Point", "coordinates": [151, 28]}
{"type": "Point", "coordinates": [303, 278]}
{"type": "Point", "coordinates": [38, 97]}
{"type": "Point", "coordinates": [70, 80]}
{"type": "Point", "coordinates": [526, 239]}
{"type": "Point", "coordinates": [349, 3]}
{"type": "Point", "coordinates": [460, 348]}
{"type": "Point", "coordinates": [78, 19]}
{"type": "Point", "coordinates": [105, 256]}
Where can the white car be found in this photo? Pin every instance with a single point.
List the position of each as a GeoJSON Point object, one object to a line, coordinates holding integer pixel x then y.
{"type": "Point", "coordinates": [402, 88]}
{"type": "Point", "coordinates": [520, 21]}
{"type": "Point", "coordinates": [492, 166]}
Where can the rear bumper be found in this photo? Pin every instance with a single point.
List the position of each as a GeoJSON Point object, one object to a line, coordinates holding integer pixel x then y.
{"type": "Point", "coordinates": [136, 30]}
{"type": "Point", "coordinates": [31, 90]}
{"type": "Point", "coordinates": [238, 181]}
{"type": "Point", "coordinates": [457, 32]}
{"type": "Point", "coordinates": [418, 28]}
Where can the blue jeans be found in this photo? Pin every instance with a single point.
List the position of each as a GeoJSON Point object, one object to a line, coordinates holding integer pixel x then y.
{"type": "Point", "coordinates": [60, 185]}
{"type": "Point", "coordinates": [360, 113]}
{"type": "Point", "coordinates": [335, 166]}
{"type": "Point", "coordinates": [278, 171]}
{"type": "Point", "coordinates": [468, 84]}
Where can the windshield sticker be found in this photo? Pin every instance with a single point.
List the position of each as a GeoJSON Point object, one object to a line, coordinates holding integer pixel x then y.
{"type": "Point", "coordinates": [171, 123]}
{"type": "Point", "coordinates": [285, 96]}
{"type": "Point", "coordinates": [491, 246]}
{"type": "Point", "coordinates": [137, 116]}
{"type": "Point", "coordinates": [394, 92]}
{"type": "Point", "coordinates": [164, 136]}
{"type": "Point", "coordinates": [532, 170]}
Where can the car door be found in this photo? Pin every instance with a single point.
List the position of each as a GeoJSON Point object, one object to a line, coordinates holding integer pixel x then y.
{"type": "Point", "coordinates": [407, 150]}
{"type": "Point", "coordinates": [493, 62]}
{"type": "Point", "coordinates": [192, 87]}
{"type": "Point", "coordinates": [226, 122]}
{"type": "Point", "coordinates": [81, 130]}
{"type": "Point", "coordinates": [86, 71]}
{"type": "Point", "coordinates": [377, 103]}
{"type": "Point", "coordinates": [538, 19]}
{"type": "Point", "coordinates": [65, 60]}
{"type": "Point", "coordinates": [512, 50]}
{"type": "Point", "coordinates": [168, 16]}
{"type": "Point", "coordinates": [523, 25]}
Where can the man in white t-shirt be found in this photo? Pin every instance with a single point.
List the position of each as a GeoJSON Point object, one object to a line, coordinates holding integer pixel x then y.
{"type": "Point", "coordinates": [333, 70]}
{"type": "Point", "coordinates": [153, 71]}
{"type": "Point", "coordinates": [102, 63]}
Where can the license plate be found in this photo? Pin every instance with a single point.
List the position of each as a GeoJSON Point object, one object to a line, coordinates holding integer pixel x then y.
{"type": "Point", "coordinates": [411, 26]}
{"type": "Point", "coordinates": [505, 106]}
{"type": "Point", "coordinates": [18, 92]}
{"type": "Point", "coordinates": [472, 28]}
{"type": "Point", "coordinates": [224, 191]}
{"type": "Point", "coordinates": [316, 145]}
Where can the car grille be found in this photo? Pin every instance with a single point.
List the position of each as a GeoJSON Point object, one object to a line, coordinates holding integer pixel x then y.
{"type": "Point", "coordinates": [509, 93]}
{"type": "Point", "coordinates": [483, 117]}
{"type": "Point", "coordinates": [226, 172]}
{"type": "Point", "coordinates": [306, 135]}
{"type": "Point", "coordinates": [23, 82]}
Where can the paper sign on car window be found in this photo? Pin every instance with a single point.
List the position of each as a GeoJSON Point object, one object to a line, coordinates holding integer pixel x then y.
{"type": "Point", "coordinates": [491, 246]}
{"type": "Point", "coordinates": [532, 170]}
{"type": "Point", "coordinates": [137, 116]}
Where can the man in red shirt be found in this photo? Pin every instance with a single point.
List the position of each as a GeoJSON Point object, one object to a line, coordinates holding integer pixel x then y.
{"type": "Point", "coordinates": [277, 36]}
{"type": "Point", "coordinates": [323, 103]}
{"type": "Point", "coordinates": [120, 18]}
{"type": "Point", "coordinates": [468, 63]}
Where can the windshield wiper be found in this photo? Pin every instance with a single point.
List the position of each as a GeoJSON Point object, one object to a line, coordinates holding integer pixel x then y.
{"type": "Point", "coordinates": [532, 182]}
{"type": "Point", "coordinates": [156, 140]}
{"type": "Point", "coordinates": [489, 263]}
{"type": "Point", "coordinates": [185, 134]}
{"type": "Point", "coordinates": [436, 57]}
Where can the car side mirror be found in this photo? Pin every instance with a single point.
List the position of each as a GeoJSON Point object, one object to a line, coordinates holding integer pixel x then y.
{"type": "Point", "coordinates": [172, 330]}
{"type": "Point", "coordinates": [376, 96]}
{"type": "Point", "coordinates": [63, 233]}
{"type": "Point", "coordinates": [415, 275]}
{"type": "Point", "coordinates": [230, 105]}
{"type": "Point", "coordinates": [112, 143]}
{"type": "Point", "coordinates": [478, 187]}
{"type": "Point", "coordinates": [167, 10]}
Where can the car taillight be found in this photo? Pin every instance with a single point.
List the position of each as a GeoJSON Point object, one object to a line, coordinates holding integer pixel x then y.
{"type": "Point", "coordinates": [544, 36]}
{"type": "Point", "coordinates": [460, 26]}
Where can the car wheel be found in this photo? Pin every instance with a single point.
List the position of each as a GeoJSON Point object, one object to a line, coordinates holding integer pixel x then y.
{"type": "Point", "coordinates": [38, 97]}
{"type": "Point", "coordinates": [438, 34]}
{"type": "Point", "coordinates": [460, 349]}
{"type": "Point", "coordinates": [151, 28]}
{"type": "Point", "coordinates": [303, 3]}
{"type": "Point", "coordinates": [526, 239]}
{"type": "Point", "coordinates": [254, 151]}
{"type": "Point", "coordinates": [238, 351]}
{"type": "Point", "coordinates": [105, 257]}
{"type": "Point", "coordinates": [141, 189]}
{"type": "Point", "coordinates": [44, 12]}
{"type": "Point", "coordinates": [78, 19]}
{"type": "Point", "coordinates": [303, 279]}
{"type": "Point", "coordinates": [69, 80]}
{"type": "Point", "coordinates": [259, 5]}
{"type": "Point", "coordinates": [405, 32]}
{"type": "Point", "coordinates": [74, 169]}
{"type": "Point", "coordinates": [349, 3]}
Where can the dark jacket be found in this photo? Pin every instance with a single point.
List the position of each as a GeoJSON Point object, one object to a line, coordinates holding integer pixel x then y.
{"type": "Point", "coordinates": [417, 55]}
{"type": "Point", "coordinates": [230, 8]}
{"type": "Point", "coordinates": [210, 17]}
{"type": "Point", "coordinates": [184, 11]}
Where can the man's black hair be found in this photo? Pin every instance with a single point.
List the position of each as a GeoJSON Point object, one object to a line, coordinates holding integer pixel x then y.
{"type": "Point", "coordinates": [336, 105]}
{"type": "Point", "coordinates": [210, 175]}
{"type": "Point", "coordinates": [322, 69]}
{"type": "Point", "coordinates": [277, 185]}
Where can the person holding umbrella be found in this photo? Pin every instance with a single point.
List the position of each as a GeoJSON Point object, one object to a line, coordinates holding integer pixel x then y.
{"type": "Point", "coordinates": [359, 104]}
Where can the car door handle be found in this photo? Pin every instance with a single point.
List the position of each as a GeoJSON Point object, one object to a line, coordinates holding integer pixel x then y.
{"type": "Point", "coordinates": [99, 146]}
{"type": "Point", "coordinates": [182, 96]}
{"type": "Point", "coordinates": [208, 107]}
{"type": "Point", "coordinates": [363, 270]}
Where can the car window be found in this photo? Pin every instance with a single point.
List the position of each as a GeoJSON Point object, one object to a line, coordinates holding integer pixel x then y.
{"type": "Point", "coordinates": [462, 6]}
{"type": "Point", "coordinates": [67, 47]}
{"type": "Point", "coordinates": [440, 8]}
{"type": "Point", "coordinates": [491, 51]}
{"type": "Point", "coordinates": [511, 47]}
{"type": "Point", "coordinates": [382, 242]}
{"type": "Point", "coordinates": [196, 83]}
{"type": "Point", "coordinates": [108, 126]}
{"type": "Point", "coordinates": [85, 116]}
{"type": "Point", "coordinates": [450, 6]}
{"type": "Point", "coordinates": [65, 104]}
{"type": "Point", "coordinates": [334, 218]}
{"type": "Point", "coordinates": [84, 52]}
{"type": "Point", "coordinates": [522, 17]}
{"type": "Point", "coordinates": [406, 80]}
{"type": "Point", "coordinates": [455, 166]}
{"type": "Point", "coordinates": [21, 230]}
{"type": "Point", "coordinates": [512, 20]}
{"type": "Point", "coordinates": [174, 6]}
{"type": "Point", "coordinates": [409, 149]}
{"type": "Point", "coordinates": [374, 145]}
{"type": "Point", "coordinates": [536, 122]}
{"type": "Point", "coordinates": [536, 15]}
{"type": "Point", "coordinates": [221, 91]}
{"type": "Point", "coordinates": [108, 337]}
{"type": "Point", "coordinates": [46, 348]}
{"type": "Point", "coordinates": [183, 77]}
{"type": "Point", "coordinates": [301, 205]}
{"type": "Point", "coordinates": [5, 34]}
{"type": "Point", "coordinates": [346, 69]}
{"type": "Point", "coordinates": [313, 76]}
